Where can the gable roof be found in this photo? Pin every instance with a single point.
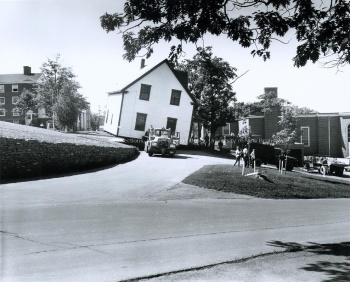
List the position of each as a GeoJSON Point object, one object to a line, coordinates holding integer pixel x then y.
{"type": "Point", "coordinates": [145, 71]}
{"type": "Point", "coordinates": [19, 78]}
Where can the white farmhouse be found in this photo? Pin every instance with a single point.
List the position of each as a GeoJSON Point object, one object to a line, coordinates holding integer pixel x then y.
{"type": "Point", "coordinates": [158, 97]}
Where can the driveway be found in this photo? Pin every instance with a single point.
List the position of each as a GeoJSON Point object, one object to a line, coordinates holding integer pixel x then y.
{"type": "Point", "coordinates": [137, 220]}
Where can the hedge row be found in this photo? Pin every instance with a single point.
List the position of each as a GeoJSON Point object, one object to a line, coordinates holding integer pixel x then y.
{"type": "Point", "coordinates": [20, 158]}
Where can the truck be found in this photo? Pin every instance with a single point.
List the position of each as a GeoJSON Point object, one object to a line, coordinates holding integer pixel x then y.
{"type": "Point", "coordinates": [269, 154]}
{"type": "Point", "coordinates": [161, 141]}
{"type": "Point", "coordinates": [326, 165]}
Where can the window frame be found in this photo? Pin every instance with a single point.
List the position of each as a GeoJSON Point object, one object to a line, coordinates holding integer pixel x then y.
{"type": "Point", "coordinates": [175, 101]}
{"type": "Point", "coordinates": [145, 96]}
{"type": "Point", "coordinates": [2, 98]}
{"type": "Point", "coordinates": [15, 112]}
{"type": "Point", "coordinates": [15, 89]}
{"type": "Point", "coordinates": [2, 88]}
{"type": "Point", "coordinates": [173, 132]}
{"type": "Point", "coordinates": [349, 133]}
{"type": "Point", "coordinates": [2, 111]}
{"type": "Point", "coordinates": [308, 135]}
{"type": "Point", "coordinates": [138, 126]}
{"type": "Point", "coordinates": [16, 97]}
{"type": "Point", "coordinates": [229, 129]}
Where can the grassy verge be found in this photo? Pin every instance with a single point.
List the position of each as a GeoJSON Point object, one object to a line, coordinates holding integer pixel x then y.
{"type": "Point", "coordinates": [270, 184]}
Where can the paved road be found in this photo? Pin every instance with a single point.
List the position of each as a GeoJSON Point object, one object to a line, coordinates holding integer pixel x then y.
{"type": "Point", "coordinates": [131, 221]}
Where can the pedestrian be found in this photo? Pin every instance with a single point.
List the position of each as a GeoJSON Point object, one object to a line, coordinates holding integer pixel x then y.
{"type": "Point", "coordinates": [238, 156]}
{"type": "Point", "coordinates": [245, 156]}
{"type": "Point", "coordinates": [220, 145]}
{"type": "Point", "coordinates": [206, 139]}
{"type": "Point", "coordinates": [252, 157]}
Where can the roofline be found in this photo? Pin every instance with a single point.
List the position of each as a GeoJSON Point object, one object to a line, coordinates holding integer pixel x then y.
{"type": "Point", "coordinates": [149, 71]}
{"type": "Point", "coordinates": [116, 92]}
{"type": "Point", "coordinates": [142, 76]}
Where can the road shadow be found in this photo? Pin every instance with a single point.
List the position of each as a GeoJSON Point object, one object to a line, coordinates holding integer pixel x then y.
{"type": "Point", "coordinates": [335, 271]}
{"type": "Point", "coordinates": [207, 153]}
{"type": "Point", "coordinates": [176, 157]}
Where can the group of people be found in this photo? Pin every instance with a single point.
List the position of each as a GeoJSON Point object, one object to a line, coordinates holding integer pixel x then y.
{"type": "Point", "coordinates": [244, 155]}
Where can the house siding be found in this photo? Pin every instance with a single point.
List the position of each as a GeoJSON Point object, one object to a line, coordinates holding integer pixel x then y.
{"type": "Point", "coordinates": [114, 103]}
{"type": "Point", "coordinates": [329, 137]}
{"type": "Point", "coordinates": [344, 123]}
{"type": "Point", "coordinates": [257, 126]}
{"type": "Point", "coordinates": [9, 107]}
{"type": "Point", "coordinates": [271, 122]}
{"type": "Point", "coordinates": [312, 124]}
{"type": "Point", "coordinates": [157, 108]}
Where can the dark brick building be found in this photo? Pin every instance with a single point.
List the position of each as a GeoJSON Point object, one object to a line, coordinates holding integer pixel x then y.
{"type": "Point", "coordinates": [11, 87]}
{"type": "Point", "coordinates": [321, 133]}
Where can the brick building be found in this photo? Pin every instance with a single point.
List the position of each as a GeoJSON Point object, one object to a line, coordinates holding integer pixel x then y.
{"type": "Point", "coordinates": [11, 87]}
{"type": "Point", "coordinates": [325, 134]}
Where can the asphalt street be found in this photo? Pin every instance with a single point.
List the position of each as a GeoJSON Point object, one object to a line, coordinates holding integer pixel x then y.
{"type": "Point", "coordinates": [138, 220]}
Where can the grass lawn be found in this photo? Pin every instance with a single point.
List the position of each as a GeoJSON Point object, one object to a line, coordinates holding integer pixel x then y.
{"type": "Point", "coordinates": [270, 184]}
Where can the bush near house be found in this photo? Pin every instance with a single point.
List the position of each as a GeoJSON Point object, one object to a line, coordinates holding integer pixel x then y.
{"type": "Point", "coordinates": [34, 152]}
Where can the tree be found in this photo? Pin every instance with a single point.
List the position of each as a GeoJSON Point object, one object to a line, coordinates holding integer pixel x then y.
{"type": "Point", "coordinates": [69, 106]}
{"type": "Point", "coordinates": [290, 132]}
{"type": "Point", "coordinates": [55, 78]}
{"type": "Point", "coordinates": [288, 122]}
{"type": "Point", "coordinates": [57, 93]}
{"type": "Point", "coordinates": [210, 81]}
{"type": "Point", "coordinates": [321, 27]}
{"type": "Point", "coordinates": [26, 101]}
{"type": "Point", "coordinates": [95, 121]}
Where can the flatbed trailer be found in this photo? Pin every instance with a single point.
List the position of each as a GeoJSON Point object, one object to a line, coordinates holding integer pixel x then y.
{"type": "Point", "coordinates": [326, 165]}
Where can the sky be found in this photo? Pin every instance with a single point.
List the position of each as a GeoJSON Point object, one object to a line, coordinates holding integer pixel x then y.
{"type": "Point", "coordinates": [31, 31]}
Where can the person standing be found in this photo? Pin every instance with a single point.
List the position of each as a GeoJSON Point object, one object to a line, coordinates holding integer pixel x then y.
{"type": "Point", "coordinates": [245, 156]}
{"type": "Point", "coordinates": [206, 139]}
{"type": "Point", "coordinates": [252, 157]}
{"type": "Point", "coordinates": [238, 156]}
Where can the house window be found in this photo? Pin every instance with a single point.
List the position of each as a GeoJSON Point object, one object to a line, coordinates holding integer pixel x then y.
{"type": "Point", "coordinates": [349, 133]}
{"type": "Point", "coordinates": [112, 119]}
{"type": "Point", "coordinates": [2, 88]}
{"type": "Point", "coordinates": [140, 122]}
{"type": "Point", "coordinates": [145, 92]}
{"type": "Point", "coordinates": [2, 112]}
{"type": "Point", "coordinates": [15, 112]}
{"type": "Point", "coordinates": [305, 136]}
{"type": "Point", "coordinates": [15, 100]}
{"type": "Point", "coordinates": [175, 97]}
{"type": "Point", "coordinates": [226, 129]}
{"type": "Point", "coordinates": [2, 100]}
{"type": "Point", "coordinates": [16, 121]}
{"type": "Point", "coordinates": [14, 87]}
{"type": "Point", "coordinates": [171, 123]}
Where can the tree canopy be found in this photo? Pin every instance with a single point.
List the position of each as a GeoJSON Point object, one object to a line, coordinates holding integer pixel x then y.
{"type": "Point", "coordinates": [57, 93]}
{"type": "Point", "coordinates": [210, 81]}
{"type": "Point", "coordinates": [322, 28]}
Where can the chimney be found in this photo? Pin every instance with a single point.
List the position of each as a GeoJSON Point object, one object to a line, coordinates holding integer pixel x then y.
{"type": "Point", "coordinates": [142, 63]}
{"type": "Point", "coordinates": [27, 70]}
{"type": "Point", "coordinates": [272, 91]}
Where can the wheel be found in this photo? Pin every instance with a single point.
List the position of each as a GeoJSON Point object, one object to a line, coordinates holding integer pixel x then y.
{"type": "Point", "coordinates": [323, 170]}
{"type": "Point", "coordinates": [150, 153]}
